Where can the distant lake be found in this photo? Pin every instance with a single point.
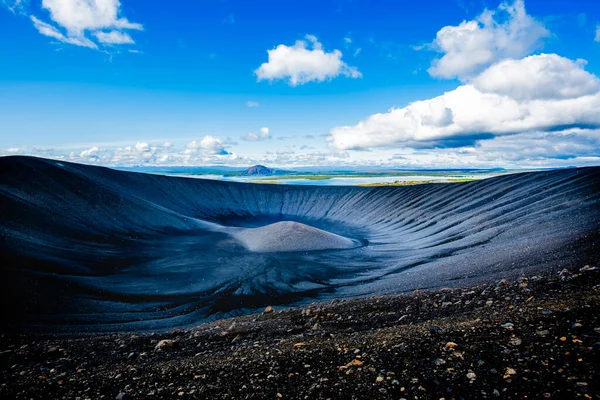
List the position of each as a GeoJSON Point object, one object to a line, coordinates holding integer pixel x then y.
{"type": "Point", "coordinates": [337, 180]}
{"type": "Point", "coordinates": [353, 181]}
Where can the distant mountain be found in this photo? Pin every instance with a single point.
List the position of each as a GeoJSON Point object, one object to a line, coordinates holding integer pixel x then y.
{"type": "Point", "coordinates": [259, 170]}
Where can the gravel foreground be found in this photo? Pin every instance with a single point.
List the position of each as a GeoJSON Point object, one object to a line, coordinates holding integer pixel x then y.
{"type": "Point", "coordinates": [534, 337]}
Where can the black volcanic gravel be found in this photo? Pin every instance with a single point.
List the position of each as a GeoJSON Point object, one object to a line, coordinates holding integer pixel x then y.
{"type": "Point", "coordinates": [535, 337]}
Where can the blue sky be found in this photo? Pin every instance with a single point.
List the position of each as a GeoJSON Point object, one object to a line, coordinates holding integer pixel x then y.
{"type": "Point", "coordinates": [226, 82]}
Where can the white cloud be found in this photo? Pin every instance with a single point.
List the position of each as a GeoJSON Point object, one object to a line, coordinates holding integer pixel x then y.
{"type": "Point", "coordinates": [597, 38]}
{"type": "Point", "coordinates": [526, 150]}
{"type": "Point", "coordinates": [78, 16]}
{"type": "Point", "coordinates": [536, 147]}
{"type": "Point", "coordinates": [142, 147]}
{"type": "Point", "coordinates": [50, 31]}
{"type": "Point", "coordinates": [15, 6]}
{"type": "Point", "coordinates": [304, 62]}
{"type": "Point", "coordinates": [566, 147]}
{"type": "Point", "coordinates": [113, 37]}
{"type": "Point", "coordinates": [508, 32]}
{"type": "Point", "coordinates": [263, 135]}
{"type": "Point", "coordinates": [209, 144]}
{"type": "Point", "coordinates": [89, 153]}
{"type": "Point", "coordinates": [546, 76]}
{"type": "Point", "coordinates": [75, 18]}
{"type": "Point", "coordinates": [252, 104]}
{"type": "Point", "coordinates": [508, 98]}
{"type": "Point", "coordinates": [208, 151]}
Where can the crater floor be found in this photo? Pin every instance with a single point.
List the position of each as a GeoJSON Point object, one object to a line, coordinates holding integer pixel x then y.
{"type": "Point", "coordinates": [289, 236]}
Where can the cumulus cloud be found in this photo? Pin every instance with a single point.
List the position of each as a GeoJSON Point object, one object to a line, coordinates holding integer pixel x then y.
{"type": "Point", "coordinates": [512, 110]}
{"type": "Point", "coordinates": [142, 147]}
{"type": "Point", "coordinates": [470, 47]}
{"type": "Point", "coordinates": [74, 21]}
{"type": "Point", "coordinates": [540, 147]}
{"type": "Point", "coordinates": [206, 151]}
{"type": "Point", "coordinates": [262, 135]}
{"type": "Point", "coordinates": [547, 76]}
{"type": "Point", "coordinates": [538, 93]}
{"type": "Point", "coordinates": [526, 150]}
{"type": "Point", "coordinates": [209, 144]}
{"type": "Point", "coordinates": [574, 146]}
{"type": "Point", "coordinates": [305, 61]}
{"type": "Point", "coordinates": [89, 153]}
{"type": "Point", "coordinates": [78, 16]}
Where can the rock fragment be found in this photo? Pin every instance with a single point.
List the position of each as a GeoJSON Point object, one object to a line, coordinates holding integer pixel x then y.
{"type": "Point", "coordinates": [166, 344]}
{"type": "Point", "coordinates": [268, 310]}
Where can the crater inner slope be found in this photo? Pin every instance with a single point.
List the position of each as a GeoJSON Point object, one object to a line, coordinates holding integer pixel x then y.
{"type": "Point", "coordinates": [88, 248]}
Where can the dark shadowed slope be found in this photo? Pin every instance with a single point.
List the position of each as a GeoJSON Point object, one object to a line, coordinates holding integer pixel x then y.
{"type": "Point", "coordinates": [91, 248]}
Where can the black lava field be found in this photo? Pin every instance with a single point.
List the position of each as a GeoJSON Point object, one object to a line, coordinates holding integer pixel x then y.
{"type": "Point", "coordinates": [85, 248]}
